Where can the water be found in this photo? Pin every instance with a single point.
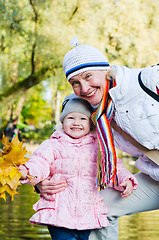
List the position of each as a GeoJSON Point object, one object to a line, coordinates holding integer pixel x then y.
{"type": "Point", "coordinates": [15, 225]}
{"type": "Point", "coordinates": [14, 217]}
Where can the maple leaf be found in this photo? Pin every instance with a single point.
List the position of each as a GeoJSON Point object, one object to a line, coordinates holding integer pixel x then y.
{"type": "Point", "coordinates": [12, 178]}
{"type": "Point", "coordinates": [3, 195]}
{"type": "Point", "coordinates": [13, 155]}
{"type": "Point", "coordinates": [6, 144]}
{"type": "Point", "coordinates": [7, 189]}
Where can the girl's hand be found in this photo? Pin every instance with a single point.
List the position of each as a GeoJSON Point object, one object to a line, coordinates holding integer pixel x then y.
{"type": "Point", "coordinates": [128, 185]}
{"type": "Point", "coordinates": [23, 171]}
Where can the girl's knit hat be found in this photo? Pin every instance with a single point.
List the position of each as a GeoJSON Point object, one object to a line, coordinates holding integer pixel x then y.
{"type": "Point", "coordinates": [83, 58]}
{"type": "Point", "coordinates": [72, 103]}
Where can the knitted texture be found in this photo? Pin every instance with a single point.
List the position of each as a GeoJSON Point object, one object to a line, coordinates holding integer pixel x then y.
{"type": "Point", "coordinates": [107, 160]}
{"type": "Point", "coordinates": [83, 58]}
{"type": "Point", "coordinates": [75, 105]}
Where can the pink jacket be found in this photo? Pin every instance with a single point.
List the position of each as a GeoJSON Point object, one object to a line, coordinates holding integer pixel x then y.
{"type": "Point", "coordinates": [79, 206]}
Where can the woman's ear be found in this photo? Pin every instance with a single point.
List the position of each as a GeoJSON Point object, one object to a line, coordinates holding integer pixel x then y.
{"type": "Point", "coordinates": [112, 71]}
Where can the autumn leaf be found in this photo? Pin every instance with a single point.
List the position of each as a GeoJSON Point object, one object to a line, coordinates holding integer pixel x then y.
{"type": "Point", "coordinates": [7, 189]}
{"type": "Point", "coordinates": [13, 155]}
{"type": "Point", "coordinates": [11, 178]}
{"type": "Point", "coordinates": [5, 141]}
{"type": "Point", "coordinates": [6, 144]}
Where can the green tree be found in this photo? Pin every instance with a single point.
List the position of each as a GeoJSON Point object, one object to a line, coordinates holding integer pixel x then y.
{"type": "Point", "coordinates": [35, 35]}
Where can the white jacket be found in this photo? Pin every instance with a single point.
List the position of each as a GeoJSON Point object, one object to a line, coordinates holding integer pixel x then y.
{"type": "Point", "coordinates": [137, 113]}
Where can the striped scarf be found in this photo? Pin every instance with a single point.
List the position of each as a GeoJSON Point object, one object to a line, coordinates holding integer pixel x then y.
{"type": "Point", "coordinates": [107, 160]}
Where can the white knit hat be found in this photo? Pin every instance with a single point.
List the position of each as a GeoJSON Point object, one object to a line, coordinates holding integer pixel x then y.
{"type": "Point", "coordinates": [83, 58]}
{"type": "Point", "coordinates": [73, 103]}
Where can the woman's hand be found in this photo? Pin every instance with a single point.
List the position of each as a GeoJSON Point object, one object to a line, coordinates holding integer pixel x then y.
{"type": "Point", "coordinates": [128, 186]}
{"type": "Point", "coordinates": [48, 187]}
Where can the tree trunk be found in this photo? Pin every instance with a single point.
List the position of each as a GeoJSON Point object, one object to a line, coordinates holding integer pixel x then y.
{"type": "Point", "coordinates": [19, 106]}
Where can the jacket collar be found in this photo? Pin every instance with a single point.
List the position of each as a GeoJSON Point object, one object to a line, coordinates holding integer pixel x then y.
{"type": "Point", "coordinates": [63, 137]}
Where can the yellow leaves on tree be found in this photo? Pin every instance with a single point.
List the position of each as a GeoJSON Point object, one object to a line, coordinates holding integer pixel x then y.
{"type": "Point", "coordinates": [13, 154]}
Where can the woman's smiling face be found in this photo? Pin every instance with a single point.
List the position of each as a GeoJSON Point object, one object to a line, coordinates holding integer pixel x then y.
{"type": "Point", "coordinates": [89, 85]}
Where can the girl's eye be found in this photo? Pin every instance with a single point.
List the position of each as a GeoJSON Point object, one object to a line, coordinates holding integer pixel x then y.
{"type": "Point", "coordinates": [83, 118]}
{"type": "Point", "coordinates": [70, 117]}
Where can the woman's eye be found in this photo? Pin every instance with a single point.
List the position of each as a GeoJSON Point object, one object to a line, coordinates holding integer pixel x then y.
{"type": "Point", "coordinates": [74, 84]}
{"type": "Point", "coordinates": [88, 76]}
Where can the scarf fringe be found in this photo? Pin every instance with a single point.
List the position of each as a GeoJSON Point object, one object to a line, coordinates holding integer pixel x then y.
{"type": "Point", "coordinates": [107, 160]}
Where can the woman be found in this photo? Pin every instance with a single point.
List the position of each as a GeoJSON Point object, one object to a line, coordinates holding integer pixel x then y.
{"type": "Point", "coordinates": [116, 96]}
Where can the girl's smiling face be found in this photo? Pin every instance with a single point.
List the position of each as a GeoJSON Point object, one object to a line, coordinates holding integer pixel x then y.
{"type": "Point", "coordinates": [76, 125]}
{"type": "Point", "coordinates": [90, 85]}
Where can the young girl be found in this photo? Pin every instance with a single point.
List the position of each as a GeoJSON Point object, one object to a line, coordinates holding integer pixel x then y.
{"type": "Point", "coordinates": [118, 92]}
{"type": "Point", "coordinates": [71, 154]}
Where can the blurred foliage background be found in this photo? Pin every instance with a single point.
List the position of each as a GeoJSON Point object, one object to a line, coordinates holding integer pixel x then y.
{"type": "Point", "coordinates": [34, 37]}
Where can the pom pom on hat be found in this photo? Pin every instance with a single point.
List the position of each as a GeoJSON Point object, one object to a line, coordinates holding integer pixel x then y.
{"type": "Point", "coordinates": [73, 103]}
{"type": "Point", "coordinates": [83, 58]}
{"type": "Point", "coordinates": [74, 41]}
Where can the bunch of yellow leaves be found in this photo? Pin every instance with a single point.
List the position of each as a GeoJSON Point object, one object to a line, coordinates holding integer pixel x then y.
{"type": "Point", "coordinates": [13, 155]}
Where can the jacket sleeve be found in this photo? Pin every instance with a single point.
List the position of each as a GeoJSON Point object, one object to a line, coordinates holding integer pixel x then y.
{"type": "Point", "coordinates": [39, 164]}
{"type": "Point", "coordinates": [147, 166]}
{"type": "Point", "coordinates": [150, 77]}
{"type": "Point", "coordinates": [125, 145]}
{"type": "Point", "coordinates": [123, 174]}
